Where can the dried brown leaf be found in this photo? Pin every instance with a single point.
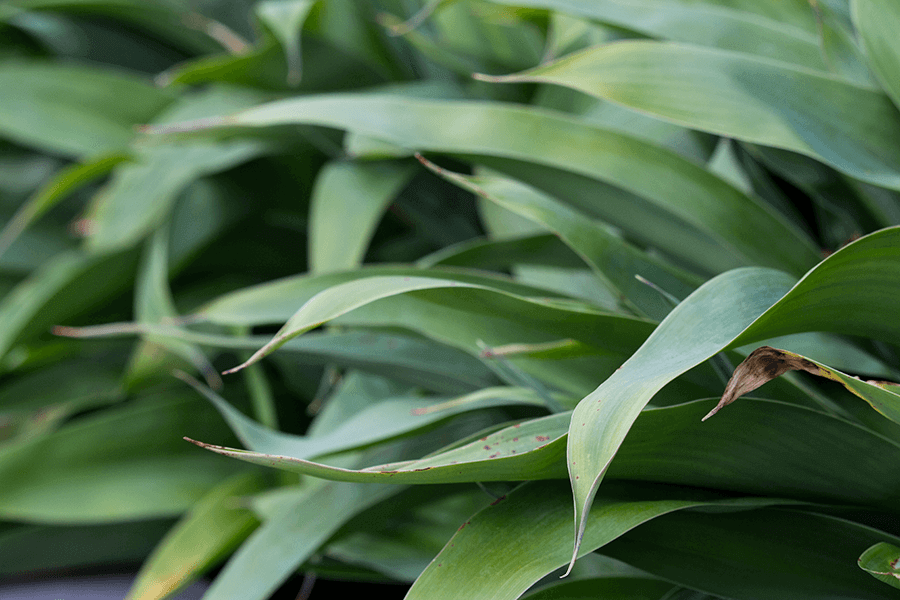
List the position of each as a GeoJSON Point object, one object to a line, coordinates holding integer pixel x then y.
{"type": "Point", "coordinates": [763, 365]}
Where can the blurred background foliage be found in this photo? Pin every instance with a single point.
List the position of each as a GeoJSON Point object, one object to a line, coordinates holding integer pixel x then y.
{"type": "Point", "coordinates": [191, 185]}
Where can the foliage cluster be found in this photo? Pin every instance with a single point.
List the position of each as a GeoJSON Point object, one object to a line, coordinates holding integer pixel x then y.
{"type": "Point", "coordinates": [475, 259]}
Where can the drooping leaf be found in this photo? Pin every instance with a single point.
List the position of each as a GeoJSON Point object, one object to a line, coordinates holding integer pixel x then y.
{"type": "Point", "coordinates": [728, 311]}
{"type": "Point", "coordinates": [531, 450]}
{"type": "Point", "coordinates": [507, 547]}
{"type": "Point", "coordinates": [379, 422]}
{"type": "Point", "coordinates": [767, 363]}
{"type": "Point", "coordinates": [77, 111]}
{"type": "Point", "coordinates": [773, 553]}
{"type": "Point", "coordinates": [671, 183]}
{"type": "Point", "coordinates": [756, 100]}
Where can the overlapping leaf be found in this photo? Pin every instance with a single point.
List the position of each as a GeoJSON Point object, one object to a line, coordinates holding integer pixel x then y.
{"type": "Point", "coordinates": [731, 310]}
{"type": "Point", "coordinates": [849, 127]}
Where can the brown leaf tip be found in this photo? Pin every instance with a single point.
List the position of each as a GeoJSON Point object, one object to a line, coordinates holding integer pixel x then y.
{"type": "Point", "coordinates": [761, 366]}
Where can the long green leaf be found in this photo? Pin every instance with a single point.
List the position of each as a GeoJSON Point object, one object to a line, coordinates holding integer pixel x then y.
{"type": "Point", "coordinates": [881, 562]}
{"type": "Point", "coordinates": [851, 128]}
{"type": "Point", "coordinates": [141, 194]}
{"type": "Point", "coordinates": [876, 21]}
{"type": "Point", "coordinates": [289, 536]}
{"type": "Point", "coordinates": [672, 183]}
{"type": "Point", "coordinates": [212, 529]}
{"type": "Point", "coordinates": [77, 111]}
{"type": "Point", "coordinates": [404, 358]}
{"type": "Point", "coordinates": [768, 553]}
{"type": "Point", "coordinates": [701, 23]}
{"type": "Point", "coordinates": [346, 205]}
{"type": "Point", "coordinates": [141, 470]}
{"type": "Point", "coordinates": [504, 549]}
{"type": "Point", "coordinates": [731, 310]}
{"type": "Point", "coordinates": [379, 422]}
{"type": "Point", "coordinates": [531, 450]}
{"type": "Point", "coordinates": [611, 257]}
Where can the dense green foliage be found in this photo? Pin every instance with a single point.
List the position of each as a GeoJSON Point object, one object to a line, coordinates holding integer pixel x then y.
{"type": "Point", "coordinates": [511, 250]}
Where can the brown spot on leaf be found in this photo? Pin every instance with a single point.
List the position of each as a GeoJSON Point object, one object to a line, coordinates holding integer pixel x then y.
{"type": "Point", "coordinates": [763, 365]}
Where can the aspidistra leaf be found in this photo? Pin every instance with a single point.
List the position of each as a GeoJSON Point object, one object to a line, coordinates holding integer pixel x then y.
{"type": "Point", "coordinates": [850, 127]}
{"type": "Point", "coordinates": [731, 310]}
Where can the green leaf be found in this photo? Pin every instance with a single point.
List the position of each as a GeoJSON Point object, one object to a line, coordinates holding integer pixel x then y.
{"type": "Point", "coordinates": [36, 548]}
{"type": "Point", "coordinates": [289, 536]}
{"type": "Point", "coordinates": [849, 127]}
{"type": "Point", "coordinates": [63, 183]}
{"type": "Point", "coordinates": [621, 588]}
{"type": "Point", "coordinates": [77, 111]}
{"type": "Point", "coordinates": [531, 450]}
{"type": "Point", "coordinates": [732, 452]}
{"type": "Point", "coordinates": [876, 21]}
{"type": "Point", "coordinates": [611, 257]}
{"type": "Point", "coordinates": [741, 455]}
{"type": "Point", "coordinates": [504, 549]}
{"type": "Point", "coordinates": [404, 358]}
{"type": "Point", "coordinates": [62, 288]}
{"type": "Point", "coordinates": [284, 20]}
{"type": "Point", "coordinates": [376, 423]}
{"type": "Point", "coordinates": [209, 532]}
{"type": "Point", "coordinates": [768, 553]}
{"type": "Point", "coordinates": [732, 310]}
{"type": "Point", "coordinates": [881, 562]}
{"type": "Point", "coordinates": [462, 310]}
{"type": "Point", "coordinates": [142, 469]}
{"type": "Point", "coordinates": [345, 297]}
{"type": "Point", "coordinates": [141, 194]}
{"type": "Point", "coordinates": [674, 185]}
{"type": "Point", "coordinates": [701, 23]}
{"type": "Point", "coordinates": [154, 304]}
{"type": "Point", "coordinates": [346, 205]}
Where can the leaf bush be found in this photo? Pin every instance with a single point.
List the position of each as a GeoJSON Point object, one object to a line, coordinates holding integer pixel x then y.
{"type": "Point", "coordinates": [511, 250]}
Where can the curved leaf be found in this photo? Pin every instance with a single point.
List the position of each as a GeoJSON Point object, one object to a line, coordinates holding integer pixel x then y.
{"type": "Point", "coordinates": [504, 549]}
{"type": "Point", "coordinates": [731, 310]}
{"type": "Point", "coordinates": [882, 561]}
{"type": "Point", "coordinates": [851, 128]}
{"type": "Point", "coordinates": [477, 298]}
{"type": "Point", "coordinates": [212, 529]}
{"type": "Point", "coordinates": [77, 111]}
{"type": "Point", "coordinates": [768, 553]}
{"type": "Point", "coordinates": [346, 205]}
{"type": "Point", "coordinates": [611, 257]}
{"type": "Point", "coordinates": [701, 23]}
{"type": "Point", "coordinates": [676, 185]}
{"type": "Point", "coordinates": [876, 21]}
